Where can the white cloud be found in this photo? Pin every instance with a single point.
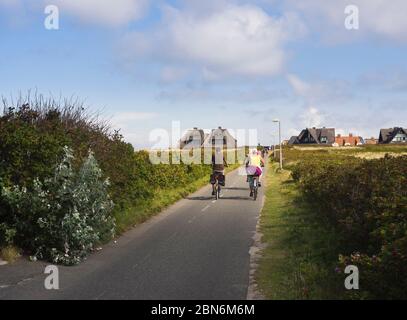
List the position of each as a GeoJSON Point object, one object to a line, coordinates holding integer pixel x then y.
{"type": "Point", "coordinates": [233, 40]}
{"type": "Point", "coordinates": [171, 74]}
{"type": "Point", "coordinates": [312, 117]}
{"type": "Point", "coordinates": [110, 13]}
{"type": "Point", "coordinates": [300, 87]}
{"type": "Point", "coordinates": [320, 92]}
{"type": "Point", "coordinates": [382, 18]}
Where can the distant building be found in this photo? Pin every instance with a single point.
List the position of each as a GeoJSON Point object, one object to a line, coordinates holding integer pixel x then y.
{"type": "Point", "coordinates": [350, 140]}
{"type": "Point", "coordinates": [193, 138]}
{"type": "Point", "coordinates": [220, 137]}
{"type": "Point", "coordinates": [371, 141]}
{"type": "Point", "coordinates": [393, 135]}
{"type": "Point", "coordinates": [324, 136]}
{"type": "Point", "coordinates": [293, 140]}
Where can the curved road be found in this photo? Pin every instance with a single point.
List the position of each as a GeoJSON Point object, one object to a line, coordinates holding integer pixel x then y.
{"type": "Point", "coordinates": [196, 249]}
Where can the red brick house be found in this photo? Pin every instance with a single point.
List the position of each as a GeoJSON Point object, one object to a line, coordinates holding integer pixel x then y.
{"type": "Point", "coordinates": [349, 140]}
{"type": "Point", "coordinates": [371, 141]}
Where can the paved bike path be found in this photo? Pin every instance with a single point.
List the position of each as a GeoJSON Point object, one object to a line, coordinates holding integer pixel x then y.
{"type": "Point", "coordinates": [196, 249]}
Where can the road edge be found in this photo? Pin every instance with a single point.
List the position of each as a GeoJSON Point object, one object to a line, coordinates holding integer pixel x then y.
{"type": "Point", "coordinates": [255, 252]}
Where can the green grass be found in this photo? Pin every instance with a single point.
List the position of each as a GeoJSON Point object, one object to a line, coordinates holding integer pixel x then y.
{"type": "Point", "coordinates": [162, 199]}
{"type": "Point", "coordinates": [299, 259]}
{"type": "Point", "coordinates": [293, 155]}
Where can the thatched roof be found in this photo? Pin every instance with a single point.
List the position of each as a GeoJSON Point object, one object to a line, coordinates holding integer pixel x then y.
{"type": "Point", "coordinates": [220, 136]}
{"type": "Point", "coordinates": [316, 134]}
{"type": "Point", "coordinates": [192, 138]}
{"type": "Point", "coordinates": [387, 135]}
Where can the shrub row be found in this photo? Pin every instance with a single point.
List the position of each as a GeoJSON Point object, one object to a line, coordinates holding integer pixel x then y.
{"type": "Point", "coordinates": [49, 205]}
{"type": "Point", "coordinates": [366, 201]}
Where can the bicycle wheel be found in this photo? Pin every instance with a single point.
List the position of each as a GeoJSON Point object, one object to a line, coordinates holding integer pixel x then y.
{"type": "Point", "coordinates": [255, 188]}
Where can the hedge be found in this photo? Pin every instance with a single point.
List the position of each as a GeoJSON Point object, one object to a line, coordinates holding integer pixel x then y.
{"type": "Point", "coordinates": [35, 134]}
{"type": "Point", "coordinates": [366, 201]}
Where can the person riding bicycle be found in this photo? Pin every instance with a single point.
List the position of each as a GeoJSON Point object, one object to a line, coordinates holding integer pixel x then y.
{"type": "Point", "coordinates": [254, 163]}
{"type": "Point", "coordinates": [218, 166]}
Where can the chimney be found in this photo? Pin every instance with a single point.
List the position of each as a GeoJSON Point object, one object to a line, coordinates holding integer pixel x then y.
{"type": "Point", "coordinates": [350, 135]}
{"type": "Point", "coordinates": [339, 135]}
{"type": "Point", "coordinates": [195, 128]}
{"type": "Point", "coordinates": [220, 128]}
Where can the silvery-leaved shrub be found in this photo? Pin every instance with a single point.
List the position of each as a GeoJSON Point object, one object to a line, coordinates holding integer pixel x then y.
{"type": "Point", "coordinates": [64, 216]}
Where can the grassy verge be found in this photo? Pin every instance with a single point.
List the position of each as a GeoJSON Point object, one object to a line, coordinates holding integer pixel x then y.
{"type": "Point", "coordinates": [140, 213]}
{"type": "Point", "coordinates": [299, 259]}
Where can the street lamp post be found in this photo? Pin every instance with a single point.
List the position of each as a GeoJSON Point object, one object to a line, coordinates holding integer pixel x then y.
{"type": "Point", "coordinates": [281, 143]}
{"type": "Point", "coordinates": [275, 148]}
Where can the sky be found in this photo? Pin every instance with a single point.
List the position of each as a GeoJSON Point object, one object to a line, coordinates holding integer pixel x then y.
{"type": "Point", "coordinates": [230, 63]}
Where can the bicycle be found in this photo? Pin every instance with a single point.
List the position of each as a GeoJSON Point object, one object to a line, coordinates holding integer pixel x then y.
{"type": "Point", "coordinates": [254, 184]}
{"type": "Point", "coordinates": [255, 187]}
{"type": "Point", "coordinates": [217, 189]}
{"type": "Point", "coordinates": [215, 180]}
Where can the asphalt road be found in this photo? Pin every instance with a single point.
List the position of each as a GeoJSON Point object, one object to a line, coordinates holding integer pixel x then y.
{"type": "Point", "coordinates": [196, 249]}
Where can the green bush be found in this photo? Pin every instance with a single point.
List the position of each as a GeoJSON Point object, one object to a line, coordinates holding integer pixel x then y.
{"type": "Point", "coordinates": [33, 134]}
{"type": "Point", "coordinates": [366, 201]}
{"type": "Point", "coordinates": [62, 218]}
{"type": "Point", "coordinates": [34, 131]}
{"type": "Point", "coordinates": [7, 234]}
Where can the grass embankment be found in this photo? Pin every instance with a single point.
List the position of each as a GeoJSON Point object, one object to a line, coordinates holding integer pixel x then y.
{"type": "Point", "coordinates": [331, 209]}
{"type": "Point", "coordinates": [162, 199]}
{"type": "Point", "coordinates": [297, 262]}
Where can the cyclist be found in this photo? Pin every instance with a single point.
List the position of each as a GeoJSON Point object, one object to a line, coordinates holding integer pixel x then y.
{"type": "Point", "coordinates": [218, 166]}
{"type": "Point", "coordinates": [253, 163]}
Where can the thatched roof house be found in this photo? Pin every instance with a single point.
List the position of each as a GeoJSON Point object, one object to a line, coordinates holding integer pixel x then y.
{"type": "Point", "coordinates": [220, 137]}
{"type": "Point", "coordinates": [316, 136]}
{"type": "Point", "coordinates": [192, 138]}
{"type": "Point", "coordinates": [393, 135]}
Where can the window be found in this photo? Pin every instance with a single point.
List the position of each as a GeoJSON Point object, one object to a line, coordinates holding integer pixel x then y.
{"type": "Point", "coordinates": [324, 139]}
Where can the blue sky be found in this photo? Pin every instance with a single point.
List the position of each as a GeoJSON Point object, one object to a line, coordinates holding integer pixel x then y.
{"type": "Point", "coordinates": [237, 64]}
